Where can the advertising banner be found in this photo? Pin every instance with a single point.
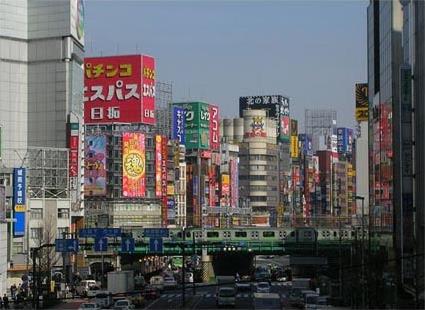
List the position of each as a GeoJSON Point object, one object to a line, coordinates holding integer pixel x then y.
{"type": "Point", "coordinates": [171, 209]}
{"type": "Point", "coordinates": [119, 89]}
{"type": "Point", "coordinates": [294, 127]}
{"type": "Point", "coordinates": [164, 156]}
{"type": "Point", "coordinates": [214, 127]}
{"type": "Point", "coordinates": [362, 102]}
{"type": "Point", "coordinates": [277, 105]}
{"type": "Point", "coordinates": [342, 140]}
{"type": "Point", "coordinates": [74, 135]}
{"type": "Point", "coordinates": [294, 147]}
{"type": "Point", "coordinates": [134, 164]}
{"type": "Point", "coordinates": [225, 190]}
{"type": "Point", "coordinates": [158, 165]}
{"type": "Point", "coordinates": [95, 165]}
{"type": "Point", "coordinates": [178, 130]}
{"type": "Point", "coordinates": [284, 128]}
{"type": "Point", "coordinates": [257, 128]}
{"type": "Point", "coordinates": [19, 201]}
{"type": "Point", "coordinates": [234, 186]}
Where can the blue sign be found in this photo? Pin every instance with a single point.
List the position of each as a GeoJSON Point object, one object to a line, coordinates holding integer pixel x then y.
{"type": "Point", "coordinates": [99, 232]}
{"type": "Point", "coordinates": [100, 244]}
{"type": "Point", "coordinates": [156, 232]}
{"type": "Point", "coordinates": [127, 245]}
{"type": "Point", "coordinates": [66, 245]}
{"type": "Point", "coordinates": [178, 130]}
{"type": "Point", "coordinates": [343, 140]}
{"type": "Point", "coordinates": [19, 201]}
{"type": "Point", "coordinates": [155, 245]}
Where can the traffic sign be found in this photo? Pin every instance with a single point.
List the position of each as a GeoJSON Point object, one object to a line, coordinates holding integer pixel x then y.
{"type": "Point", "coordinates": [155, 245]}
{"type": "Point", "coordinates": [66, 245]}
{"type": "Point", "coordinates": [127, 245]}
{"type": "Point", "coordinates": [100, 244]}
{"type": "Point", "coordinates": [99, 232]}
{"type": "Point", "coordinates": [156, 232]}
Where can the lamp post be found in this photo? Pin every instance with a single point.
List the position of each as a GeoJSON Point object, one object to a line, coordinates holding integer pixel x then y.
{"type": "Point", "coordinates": [362, 251]}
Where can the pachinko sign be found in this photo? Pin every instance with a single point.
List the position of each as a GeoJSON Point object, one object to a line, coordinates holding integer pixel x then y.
{"type": "Point", "coordinates": [95, 165]}
{"type": "Point", "coordinates": [133, 163]}
{"type": "Point", "coordinates": [119, 89]}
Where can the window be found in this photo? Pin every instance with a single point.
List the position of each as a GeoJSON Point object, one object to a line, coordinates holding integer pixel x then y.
{"type": "Point", "coordinates": [63, 213]}
{"type": "Point", "coordinates": [149, 142]}
{"type": "Point", "coordinates": [212, 234]}
{"type": "Point", "coordinates": [36, 214]}
{"type": "Point", "coordinates": [240, 234]}
{"type": "Point", "coordinates": [62, 230]}
{"type": "Point", "coordinates": [268, 234]}
{"type": "Point", "coordinates": [36, 233]}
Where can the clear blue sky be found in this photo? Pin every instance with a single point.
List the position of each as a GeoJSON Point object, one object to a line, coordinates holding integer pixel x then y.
{"type": "Point", "coordinates": [312, 51]}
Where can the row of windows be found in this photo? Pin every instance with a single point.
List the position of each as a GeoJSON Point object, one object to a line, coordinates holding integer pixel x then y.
{"type": "Point", "coordinates": [240, 234]}
{"type": "Point", "coordinates": [257, 178]}
{"type": "Point", "coordinates": [37, 214]}
{"type": "Point", "coordinates": [37, 233]}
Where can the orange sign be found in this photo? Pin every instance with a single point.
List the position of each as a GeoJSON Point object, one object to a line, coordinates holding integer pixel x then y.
{"type": "Point", "coordinates": [133, 158]}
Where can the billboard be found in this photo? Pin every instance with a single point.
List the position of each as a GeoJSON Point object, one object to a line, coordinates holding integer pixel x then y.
{"type": "Point", "coordinates": [362, 102]}
{"type": "Point", "coordinates": [158, 166]}
{"type": "Point", "coordinates": [284, 128]}
{"type": "Point", "coordinates": [294, 147]}
{"type": "Point", "coordinates": [119, 89]}
{"type": "Point", "coordinates": [344, 140]}
{"type": "Point", "coordinates": [257, 128]}
{"type": "Point", "coordinates": [277, 105]}
{"type": "Point", "coordinates": [234, 184]}
{"type": "Point", "coordinates": [305, 144]}
{"type": "Point", "coordinates": [19, 201]}
{"type": "Point", "coordinates": [133, 164]}
{"type": "Point", "coordinates": [294, 127]}
{"type": "Point", "coordinates": [178, 130]}
{"type": "Point", "coordinates": [74, 142]}
{"type": "Point", "coordinates": [95, 165]}
{"type": "Point", "coordinates": [171, 209]}
{"type": "Point", "coordinates": [164, 157]}
{"type": "Point", "coordinates": [214, 127]}
{"type": "Point", "coordinates": [225, 190]}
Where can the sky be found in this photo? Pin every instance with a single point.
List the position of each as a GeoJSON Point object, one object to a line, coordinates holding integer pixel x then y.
{"type": "Point", "coordinates": [216, 51]}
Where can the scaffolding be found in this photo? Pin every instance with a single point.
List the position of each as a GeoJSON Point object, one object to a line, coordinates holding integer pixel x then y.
{"type": "Point", "coordinates": [320, 122]}
{"type": "Point", "coordinates": [163, 107]}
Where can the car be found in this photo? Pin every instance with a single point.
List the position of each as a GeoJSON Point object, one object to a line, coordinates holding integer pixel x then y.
{"type": "Point", "coordinates": [93, 290]}
{"type": "Point", "coordinates": [84, 286]}
{"type": "Point", "coordinates": [263, 287]}
{"type": "Point", "coordinates": [123, 304]}
{"type": "Point", "coordinates": [170, 282]}
{"type": "Point", "coordinates": [89, 305]}
{"type": "Point", "coordinates": [226, 296]}
{"type": "Point", "coordinates": [281, 279]}
{"type": "Point", "coordinates": [157, 282]}
{"type": "Point", "coordinates": [150, 292]}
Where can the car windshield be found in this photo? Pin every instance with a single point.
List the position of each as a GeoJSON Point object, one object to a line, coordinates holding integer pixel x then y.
{"type": "Point", "coordinates": [226, 292]}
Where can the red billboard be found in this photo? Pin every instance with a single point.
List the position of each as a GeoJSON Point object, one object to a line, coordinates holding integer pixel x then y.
{"type": "Point", "coordinates": [133, 164]}
{"type": "Point", "coordinates": [119, 89]}
{"type": "Point", "coordinates": [214, 127]}
{"type": "Point", "coordinates": [74, 143]}
{"type": "Point", "coordinates": [158, 165]}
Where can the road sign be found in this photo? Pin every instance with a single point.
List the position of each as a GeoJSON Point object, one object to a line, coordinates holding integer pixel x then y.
{"type": "Point", "coordinates": [99, 232]}
{"type": "Point", "coordinates": [155, 245]}
{"type": "Point", "coordinates": [127, 245]}
{"type": "Point", "coordinates": [66, 245]}
{"type": "Point", "coordinates": [100, 244]}
{"type": "Point", "coordinates": [156, 232]}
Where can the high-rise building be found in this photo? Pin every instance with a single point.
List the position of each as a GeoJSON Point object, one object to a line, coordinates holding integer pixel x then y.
{"type": "Point", "coordinates": [320, 125]}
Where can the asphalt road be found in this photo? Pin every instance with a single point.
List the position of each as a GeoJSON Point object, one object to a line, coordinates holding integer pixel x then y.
{"type": "Point", "coordinates": [205, 298]}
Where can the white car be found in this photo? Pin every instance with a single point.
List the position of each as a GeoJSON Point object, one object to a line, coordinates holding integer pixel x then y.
{"type": "Point", "coordinates": [92, 292]}
{"type": "Point", "coordinates": [84, 286]}
{"type": "Point", "coordinates": [89, 306]}
{"type": "Point", "coordinates": [170, 282]}
{"type": "Point", "coordinates": [263, 287]}
{"type": "Point", "coordinates": [123, 304]}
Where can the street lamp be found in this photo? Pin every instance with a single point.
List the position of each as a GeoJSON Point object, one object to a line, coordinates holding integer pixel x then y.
{"type": "Point", "coordinates": [362, 250]}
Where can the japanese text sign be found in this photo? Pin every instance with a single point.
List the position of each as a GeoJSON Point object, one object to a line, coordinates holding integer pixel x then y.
{"type": "Point", "coordinates": [214, 127]}
{"type": "Point", "coordinates": [178, 131]}
{"type": "Point", "coordinates": [133, 178]}
{"type": "Point", "coordinates": [119, 89]}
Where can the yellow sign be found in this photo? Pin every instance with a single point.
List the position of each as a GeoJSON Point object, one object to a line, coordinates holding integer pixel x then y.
{"type": "Point", "coordinates": [362, 114]}
{"type": "Point", "coordinates": [20, 208]}
{"type": "Point", "coordinates": [294, 147]}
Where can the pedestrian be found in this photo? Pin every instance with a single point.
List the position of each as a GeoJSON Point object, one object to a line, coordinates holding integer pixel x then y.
{"type": "Point", "coordinates": [5, 301]}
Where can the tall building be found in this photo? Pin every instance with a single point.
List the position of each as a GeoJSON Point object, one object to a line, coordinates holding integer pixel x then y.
{"type": "Point", "coordinates": [320, 125]}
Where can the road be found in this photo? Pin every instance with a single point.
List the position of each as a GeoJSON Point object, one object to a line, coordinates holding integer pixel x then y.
{"type": "Point", "coordinates": [205, 298]}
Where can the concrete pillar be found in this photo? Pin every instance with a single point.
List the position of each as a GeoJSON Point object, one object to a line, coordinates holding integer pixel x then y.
{"type": "Point", "coordinates": [207, 267]}
{"type": "Point", "coordinates": [118, 267]}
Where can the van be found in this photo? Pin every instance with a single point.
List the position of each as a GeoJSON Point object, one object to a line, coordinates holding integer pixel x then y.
{"type": "Point", "coordinates": [157, 282]}
{"type": "Point", "coordinates": [226, 296]}
{"type": "Point", "coordinates": [84, 287]}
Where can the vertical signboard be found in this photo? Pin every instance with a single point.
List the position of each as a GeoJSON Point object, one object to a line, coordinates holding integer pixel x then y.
{"type": "Point", "coordinates": [294, 147]}
{"type": "Point", "coordinates": [95, 165]}
{"type": "Point", "coordinates": [362, 102]}
{"type": "Point", "coordinates": [73, 149]}
{"type": "Point", "coordinates": [178, 130]}
{"type": "Point", "coordinates": [214, 127]}
{"type": "Point", "coordinates": [119, 89]}
{"type": "Point", "coordinates": [164, 156]}
{"type": "Point", "coordinates": [225, 190]}
{"type": "Point", "coordinates": [342, 140]}
{"type": "Point", "coordinates": [212, 185]}
{"type": "Point", "coordinates": [19, 201]}
{"type": "Point", "coordinates": [171, 209]}
{"type": "Point", "coordinates": [158, 165]}
{"type": "Point", "coordinates": [284, 129]}
{"type": "Point", "coordinates": [134, 164]}
{"type": "Point", "coordinates": [294, 128]}
{"type": "Point", "coordinates": [234, 185]}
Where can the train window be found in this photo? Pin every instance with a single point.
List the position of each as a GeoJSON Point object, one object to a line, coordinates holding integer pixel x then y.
{"type": "Point", "coordinates": [179, 235]}
{"type": "Point", "coordinates": [240, 234]}
{"type": "Point", "coordinates": [292, 233]}
{"type": "Point", "coordinates": [323, 233]}
{"type": "Point", "coordinates": [335, 234]}
{"type": "Point", "coordinates": [353, 234]}
{"type": "Point", "coordinates": [188, 234]}
{"type": "Point", "coordinates": [268, 234]}
{"type": "Point", "coordinates": [212, 234]}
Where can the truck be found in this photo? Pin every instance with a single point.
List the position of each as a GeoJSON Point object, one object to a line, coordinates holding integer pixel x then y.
{"type": "Point", "coordinates": [120, 281]}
